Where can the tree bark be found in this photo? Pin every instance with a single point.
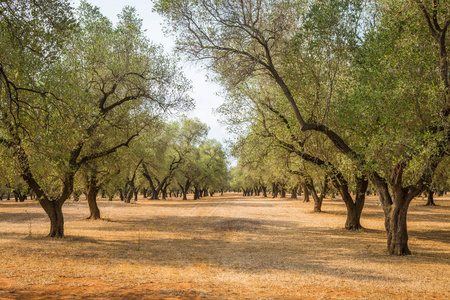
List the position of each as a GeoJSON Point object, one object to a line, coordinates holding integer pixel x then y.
{"type": "Point", "coordinates": [318, 200]}
{"type": "Point", "coordinates": [430, 198]}
{"type": "Point", "coordinates": [354, 208]}
{"type": "Point", "coordinates": [283, 192]}
{"type": "Point", "coordinates": [294, 192]}
{"type": "Point", "coordinates": [196, 193]}
{"type": "Point", "coordinates": [185, 188]}
{"type": "Point", "coordinates": [54, 212]}
{"type": "Point", "coordinates": [274, 190]}
{"type": "Point", "coordinates": [397, 231]}
{"type": "Point", "coordinates": [92, 198]}
{"type": "Point", "coordinates": [264, 190]}
{"type": "Point", "coordinates": [306, 193]}
{"type": "Point", "coordinates": [395, 210]}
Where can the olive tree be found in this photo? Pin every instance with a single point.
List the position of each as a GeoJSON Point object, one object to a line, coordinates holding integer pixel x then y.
{"type": "Point", "coordinates": [73, 97]}
{"type": "Point", "coordinates": [241, 40]}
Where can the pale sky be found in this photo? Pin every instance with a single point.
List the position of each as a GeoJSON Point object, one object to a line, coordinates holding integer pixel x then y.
{"type": "Point", "coordinates": [204, 92]}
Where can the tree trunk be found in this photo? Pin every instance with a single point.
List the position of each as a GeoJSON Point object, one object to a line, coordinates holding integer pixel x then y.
{"type": "Point", "coordinates": [54, 212]}
{"type": "Point", "coordinates": [185, 188]}
{"type": "Point", "coordinates": [283, 192]}
{"type": "Point", "coordinates": [318, 200]}
{"type": "Point", "coordinates": [294, 192]}
{"type": "Point", "coordinates": [154, 194]}
{"type": "Point", "coordinates": [129, 195]}
{"type": "Point", "coordinates": [430, 201]}
{"type": "Point", "coordinates": [92, 198]}
{"type": "Point", "coordinates": [196, 193]}
{"type": "Point", "coordinates": [395, 211]}
{"type": "Point", "coordinates": [353, 221]}
{"type": "Point", "coordinates": [354, 208]}
{"type": "Point", "coordinates": [274, 190]}
{"type": "Point", "coordinates": [306, 193]}
{"type": "Point", "coordinates": [397, 231]}
{"type": "Point", "coordinates": [317, 203]}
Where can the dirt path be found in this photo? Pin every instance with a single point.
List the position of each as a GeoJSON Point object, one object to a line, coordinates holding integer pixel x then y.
{"type": "Point", "coordinates": [220, 248]}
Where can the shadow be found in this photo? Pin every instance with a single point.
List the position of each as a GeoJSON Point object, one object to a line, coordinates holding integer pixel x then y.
{"type": "Point", "coordinates": [243, 244]}
{"type": "Point", "coordinates": [196, 224]}
{"type": "Point", "coordinates": [247, 245]}
{"type": "Point", "coordinates": [194, 204]}
{"type": "Point", "coordinates": [424, 213]}
{"type": "Point", "coordinates": [22, 217]}
{"type": "Point", "coordinates": [243, 256]}
{"type": "Point", "coordinates": [13, 204]}
{"type": "Point", "coordinates": [432, 235]}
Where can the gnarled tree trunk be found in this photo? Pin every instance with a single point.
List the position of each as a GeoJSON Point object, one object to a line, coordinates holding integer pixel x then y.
{"type": "Point", "coordinates": [294, 192]}
{"type": "Point", "coordinates": [55, 214]}
{"type": "Point", "coordinates": [430, 198]}
{"type": "Point", "coordinates": [185, 188]}
{"type": "Point", "coordinates": [318, 199]}
{"type": "Point", "coordinates": [197, 193]}
{"type": "Point", "coordinates": [396, 207]}
{"type": "Point", "coordinates": [264, 190]}
{"type": "Point", "coordinates": [92, 193]}
{"type": "Point", "coordinates": [305, 193]}
{"type": "Point", "coordinates": [396, 228]}
{"type": "Point", "coordinates": [274, 190]}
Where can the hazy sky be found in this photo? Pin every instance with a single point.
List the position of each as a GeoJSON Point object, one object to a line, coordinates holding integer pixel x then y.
{"type": "Point", "coordinates": [204, 93]}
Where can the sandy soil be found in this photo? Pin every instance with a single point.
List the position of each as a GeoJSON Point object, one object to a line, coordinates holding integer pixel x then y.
{"type": "Point", "coordinates": [221, 248]}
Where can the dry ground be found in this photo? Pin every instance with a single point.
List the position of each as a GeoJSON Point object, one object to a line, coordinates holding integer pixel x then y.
{"type": "Point", "coordinates": [221, 248]}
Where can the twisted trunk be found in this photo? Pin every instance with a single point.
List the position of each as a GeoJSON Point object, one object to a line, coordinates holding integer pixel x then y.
{"type": "Point", "coordinates": [397, 231]}
{"type": "Point", "coordinates": [318, 199]}
{"type": "Point", "coordinates": [294, 192]}
{"type": "Point", "coordinates": [354, 208]}
{"type": "Point", "coordinates": [197, 193]}
{"type": "Point", "coordinates": [185, 188]}
{"type": "Point", "coordinates": [283, 192]}
{"type": "Point", "coordinates": [306, 193]}
{"type": "Point", "coordinates": [274, 190]}
{"type": "Point", "coordinates": [92, 193]}
{"type": "Point", "coordinates": [395, 207]}
{"type": "Point", "coordinates": [55, 214]}
{"type": "Point", "coordinates": [430, 198]}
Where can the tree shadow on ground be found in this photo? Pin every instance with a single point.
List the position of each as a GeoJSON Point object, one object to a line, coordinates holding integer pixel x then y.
{"type": "Point", "coordinates": [240, 244]}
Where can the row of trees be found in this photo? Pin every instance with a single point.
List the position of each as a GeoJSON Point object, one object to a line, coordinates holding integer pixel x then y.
{"type": "Point", "coordinates": [84, 102]}
{"type": "Point", "coordinates": [173, 159]}
{"type": "Point", "coordinates": [356, 90]}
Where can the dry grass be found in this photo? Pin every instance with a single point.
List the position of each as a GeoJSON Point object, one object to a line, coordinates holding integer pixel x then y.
{"type": "Point", "coordinates": [220, 248]}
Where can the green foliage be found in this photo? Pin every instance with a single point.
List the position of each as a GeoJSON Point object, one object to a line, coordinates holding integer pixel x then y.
{"type": "Point", "coordinates": [82, 92]}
